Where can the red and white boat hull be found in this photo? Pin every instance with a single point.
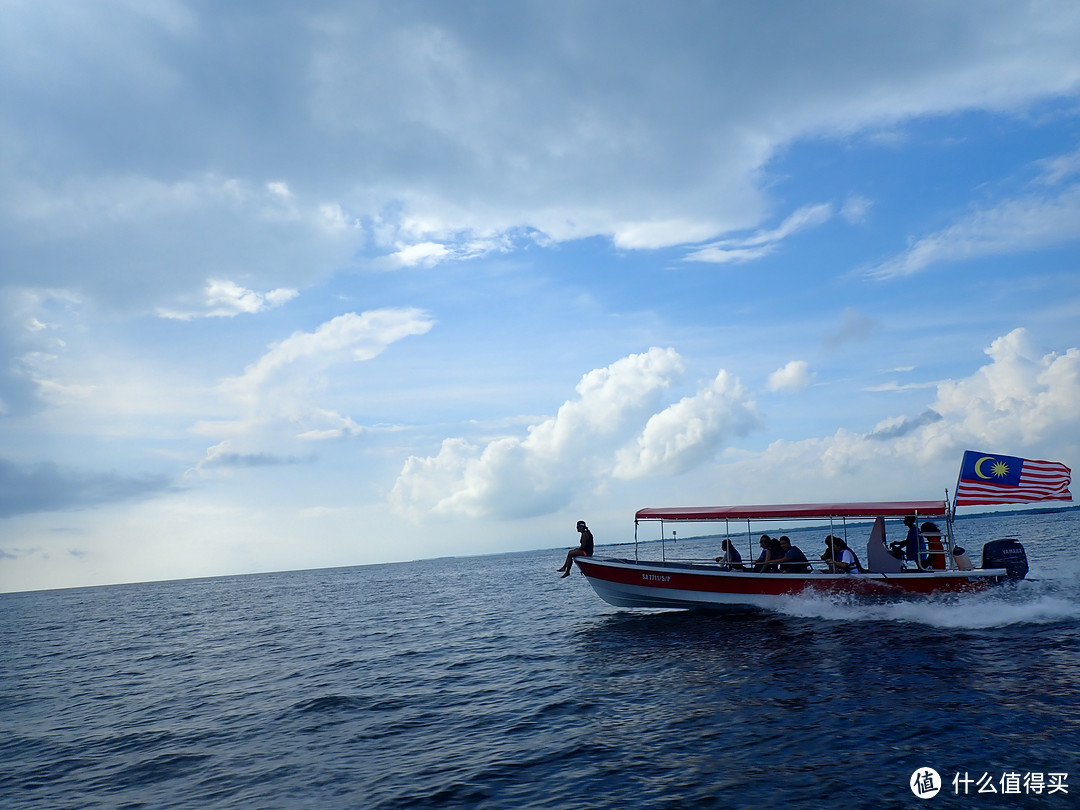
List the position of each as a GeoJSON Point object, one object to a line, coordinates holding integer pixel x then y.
{"type": "Point", "coordinates": [631, 583]}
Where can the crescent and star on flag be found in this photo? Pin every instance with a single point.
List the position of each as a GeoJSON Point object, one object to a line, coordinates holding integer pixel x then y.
{"type": "Point", "coordinates": [999, 469]}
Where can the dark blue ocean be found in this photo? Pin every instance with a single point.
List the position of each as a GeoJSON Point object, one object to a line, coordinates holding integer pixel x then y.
{"type": "Point", "coordinates": [489, 682]}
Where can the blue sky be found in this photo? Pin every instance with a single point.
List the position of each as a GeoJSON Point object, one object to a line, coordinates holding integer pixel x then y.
{"type": "Point", "coordinates": [301, 285]}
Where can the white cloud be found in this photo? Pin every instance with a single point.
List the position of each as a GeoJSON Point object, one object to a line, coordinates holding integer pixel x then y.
{"type": "Point", "coordinates": [856, 209]}
{"type": "Point", "coordinates": [1060, 167]}
{"type": "Point", "coordinates": [1023, 402]}
{"type": "Point", "coordinates": [149, 244]}
{"type": "Point", "coordinates": [323, 424]}
{"type": "Point", "coordinates": [1015, 226]}
{"type": "Point", "coordinates": [225, 299]}
{"type": "Point", "coordinates": [690, 432]}
{"type": "Point", "coordinates": [276, 399]}
{"type": "Point", "coordinates": [612, 430]}
{"type": "Point", "coordinates": [719, 254]}
{"type": "Point", "coordinates": [794, 376]}
{"type": "Point", "coordinates": [424, 254]}
{"type": "Point", "coordinates": [347, 337]}
{"type": "Point", "coordinates": [893, 386]}
{"type": "Point", "coordinates": [763, 242]}
{"type": "Point", "coordinates": [658, 234]}
{"type": "Point", "coordinates": [398, 128]}
{"type": "Point", "coordinates": [1022, 398]}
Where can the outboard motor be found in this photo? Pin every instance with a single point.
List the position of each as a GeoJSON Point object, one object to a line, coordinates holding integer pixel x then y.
{"type": "Point", "coordinates": [1008, 554]}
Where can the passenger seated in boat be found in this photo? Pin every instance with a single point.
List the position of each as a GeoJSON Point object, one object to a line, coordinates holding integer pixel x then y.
{"type": "Point", "coordinates": [845, 561]}
{"type": "Point", "coordinates": [829, 555]}
{"type": "Point", "coordinates": [794, 561]}
{"type": "Point", "coordinates": [935, 550]}
{"type": "Point", "coordinates": [915, 545]}
{"type": "Point", "coordinates": [731, 558]}
{"type": "Point", "coordinates": [771, 553]}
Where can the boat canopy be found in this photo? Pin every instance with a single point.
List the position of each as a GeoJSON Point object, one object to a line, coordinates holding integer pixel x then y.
{"type": "Point", "coordinates": [799, 510]}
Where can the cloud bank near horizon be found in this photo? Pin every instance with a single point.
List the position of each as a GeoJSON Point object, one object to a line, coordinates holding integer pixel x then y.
{"type": "Point", "coordinates": [615, 430]}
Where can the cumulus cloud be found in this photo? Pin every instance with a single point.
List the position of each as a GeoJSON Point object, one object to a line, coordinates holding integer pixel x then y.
{"type": "Point", "coordinates": [614, 428]}
{"type": "Point", "coordinates": [1022, 398]}
{"type": "Point", "coordinates": [1022, 402]}
{"type": "Point", "coordinates": [690, 432]}
{"type": "Point", "coordinates": [794, 376]}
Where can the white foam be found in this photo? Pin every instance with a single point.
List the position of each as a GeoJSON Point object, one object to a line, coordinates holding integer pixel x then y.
{"type": "Point", "coordinates": [999, 608]}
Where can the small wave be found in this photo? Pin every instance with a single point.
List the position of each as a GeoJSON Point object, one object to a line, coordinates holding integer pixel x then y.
{"type": "Point", "coordinates": [327, 703]}
{"type": "Point", "coordinates": [160, 768]}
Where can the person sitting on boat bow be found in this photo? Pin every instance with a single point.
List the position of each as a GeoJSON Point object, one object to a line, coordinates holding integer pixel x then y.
{"type": "Point", "coordinates": [731, 558]}
{"type": "Point", "coordinates": [585, 548]}
{"type": "Point", "coordinates": [793, 561]}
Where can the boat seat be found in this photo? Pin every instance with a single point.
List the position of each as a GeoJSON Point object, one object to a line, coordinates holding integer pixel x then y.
{"type": "Point", "coordinates": [878, 558]}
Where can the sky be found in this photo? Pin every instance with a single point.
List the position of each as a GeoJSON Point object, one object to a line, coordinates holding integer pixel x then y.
{"type": "Point", "coordinates": [298, 285]}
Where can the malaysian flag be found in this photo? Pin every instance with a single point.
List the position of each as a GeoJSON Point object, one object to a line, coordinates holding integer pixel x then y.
{"type": "Point", "coordinates": [987, 478]}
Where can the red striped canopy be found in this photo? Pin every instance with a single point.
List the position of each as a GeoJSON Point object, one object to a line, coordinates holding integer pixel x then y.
{"type": "Point", "coordinates": [799, 510]}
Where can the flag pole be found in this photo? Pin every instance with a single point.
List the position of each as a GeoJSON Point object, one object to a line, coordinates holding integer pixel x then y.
{"type": "Point", "coordinates": [950, 512]}
{"type": "Point", "coordinates": [950, 538]}
{"type": "Point", "coordinates": [956, 491]}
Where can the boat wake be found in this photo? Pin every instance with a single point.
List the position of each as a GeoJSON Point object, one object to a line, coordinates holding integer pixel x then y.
{"type": "Point", "coordinates": [1031, 602]}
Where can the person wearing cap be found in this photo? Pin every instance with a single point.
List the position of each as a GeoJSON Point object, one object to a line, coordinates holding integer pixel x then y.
{"type": "Point", "coordinates": [584, 549]}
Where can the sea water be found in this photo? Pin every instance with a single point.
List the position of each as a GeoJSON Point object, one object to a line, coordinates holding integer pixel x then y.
{"type": "Point", "coordinates": [492, 682]}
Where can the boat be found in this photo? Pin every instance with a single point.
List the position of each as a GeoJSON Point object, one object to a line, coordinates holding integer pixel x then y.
{"type": "Point", "coordinates": [941, 566]}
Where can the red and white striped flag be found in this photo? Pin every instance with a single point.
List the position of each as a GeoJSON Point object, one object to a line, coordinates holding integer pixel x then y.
{"type": "Point", "coordinates": [986, 478]}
